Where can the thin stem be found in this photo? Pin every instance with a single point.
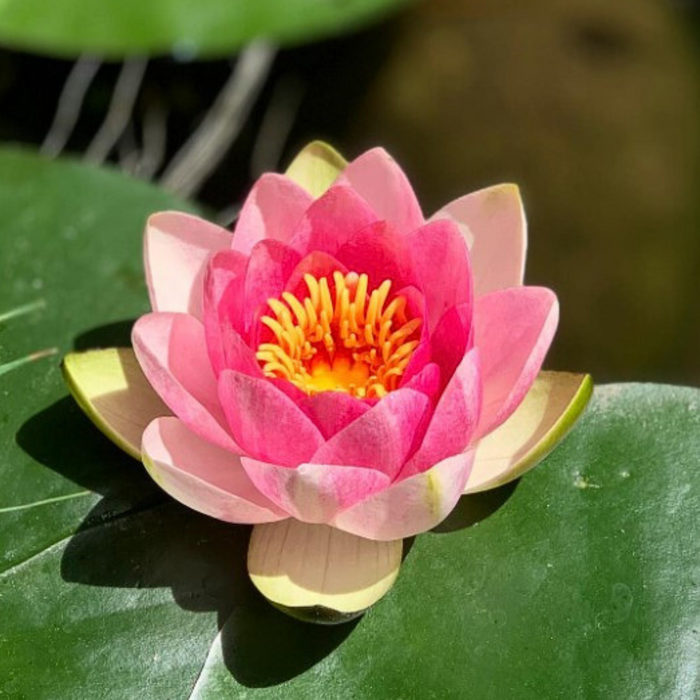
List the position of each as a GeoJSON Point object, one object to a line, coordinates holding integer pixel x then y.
{"type": "Point", "coordinates": [69, 104]}
{"type": "Point", "coordinates": [204, 150]}
{"type": "Point", "coordinates": [15, 364]}
{"type": "Point", "coordinates": [276, 126]}
{"type": "Point", "coordinates": [155, 137]}
{"type": "Point", "coordinates": [120, 110]}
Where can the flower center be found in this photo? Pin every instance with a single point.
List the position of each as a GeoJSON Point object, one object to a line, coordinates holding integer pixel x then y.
{"type": "Point", "coordinates": [340, 337]}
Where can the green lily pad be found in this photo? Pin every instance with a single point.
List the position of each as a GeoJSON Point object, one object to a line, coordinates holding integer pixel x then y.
{"type": "Point", "coordinates": [119, 28]}
{"type": "Point", "coordinates": [580, 580]}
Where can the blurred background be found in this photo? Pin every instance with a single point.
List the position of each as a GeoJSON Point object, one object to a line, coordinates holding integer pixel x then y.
{"type": "Point", "coordinates": [591, 106]}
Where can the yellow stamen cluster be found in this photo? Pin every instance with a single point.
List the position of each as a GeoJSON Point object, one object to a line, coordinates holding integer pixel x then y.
{"type": "Point", "coordinates": [340, 337]}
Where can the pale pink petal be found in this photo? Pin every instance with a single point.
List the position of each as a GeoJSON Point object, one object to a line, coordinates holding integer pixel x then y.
{"type": "Point", "coordinates": [382, 438]}
{"type": "Point", "coordinates": [176, 249]}
{"type": "Point", "coordinates": [268, 425]}
{"type": "Point", "coordinates": [223, 302]}
{"type": "Point", "coordinates": [314, 493]}
{"type": "Point", "coordinates": [331, 411]}
{"type": "Point", "coordinates": [513, 331]}
{"type": "Point", "coordinates": [454, 420]}
{"type": "Point", "coordinates": [202, 476]}
{"type": "Point", "coordinates": [378, 178]}
{"type": "Point", "coordinates": [410, 506]}
{"type": "Point", "coordinates": [269, 267]}
{"type": "Point", "coordinates": [379, 251]}
{"type": "Point", "coordinates": [272, 210]}
{"type": "Point", "coordinates": [494, 224]}
{"type": "Point", "coordinates": [172, 352]}
{"type": "Point", "coordinates": [331, 220]}
{"type": "Point", "coordinates": [441, 259]}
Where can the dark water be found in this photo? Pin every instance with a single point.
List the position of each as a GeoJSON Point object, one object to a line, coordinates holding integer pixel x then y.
{"type": "Point", "coordinates": [593, 107]}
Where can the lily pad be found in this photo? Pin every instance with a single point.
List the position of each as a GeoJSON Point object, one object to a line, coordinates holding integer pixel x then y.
{"type": "Point", "coordinates": [119, 28]}
{"type": "Point", "coordinates": [580, 580]}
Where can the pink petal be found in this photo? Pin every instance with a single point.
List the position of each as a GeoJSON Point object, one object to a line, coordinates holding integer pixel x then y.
{"type": "Point", "coordinates": [316, 264]}
{"type": "Point", "coordinates": [272, 210]}
{"type": "Point", "coordinates": [513, 331]}
{"type": "Point", "coordinates": [441, 259]}
{"type": "Point", "coordinates": [331, 411]}
{"type": "Point", "coordinates": [416, 307]}
{"type": "Point", "coordinates": [314, 493]}
{"type": "Point", "coordinates": [176, 249]}
{"type": "Point", "coordinates": [427, 381]}
{"type": "Point", "coordinates": [291, 390]}
{"type": "Point", "coordinates": [454, 420]}
{"type": "Point", "coordinates": [202, 476]}
{"type": "Point", "coordinates": [268, 424]}
{"type": "Point", "coordinates": [269, 267]}
{"type": "Point", "coordinates": [331, 220]}
{"type": "Point", "coordinates": [410, 506]}
{"type": "Point", "coordinates": [493, 221]}
{"type": "Point", "coordinates": [223, 303]}
{"type": "Point", "coordinates": [377, 177]}
{"type": "Point", "coordinates": [172, 352]}
{"type": "Point", "coordinates": [380, 439]}
{"type": "Point", "coordinates": [452, 339]}
{"type": "Point", "coordinates": [237, 354]}
{"type": "Point", "coordinates": [381, 253]}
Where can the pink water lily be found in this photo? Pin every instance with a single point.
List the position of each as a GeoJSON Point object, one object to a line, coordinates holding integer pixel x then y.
{"type": "Point", "coordinates": [338, 359]}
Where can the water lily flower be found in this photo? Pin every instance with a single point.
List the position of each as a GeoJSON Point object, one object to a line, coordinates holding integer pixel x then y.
{"type": "Point", "coordinates": [339, 366]}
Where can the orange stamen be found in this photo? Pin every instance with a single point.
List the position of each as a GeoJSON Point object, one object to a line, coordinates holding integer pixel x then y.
{"type": "Point", "coordinates": [339, 337]}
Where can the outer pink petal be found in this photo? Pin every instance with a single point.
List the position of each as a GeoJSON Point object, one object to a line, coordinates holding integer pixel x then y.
{"type": "Point", "coordinates": [331, 220]}
{"type": "Point", "coordinates": [269, 267]}
{"type": "Point", "coordinates": [441, 260]}
{"type": "Point", "coordinates": [378, 178]}
{"type": "Point", "coordinates": [381, 253]}
{"type": "Point", "coordinates": [272, 210]}
{"type": "Point", "coordinates": [382, 438]}
{"type": "Point", "coordinates": [331, 411]}
{"type": "Point", "coordinates": [454, 420]}
{"type": "Point", "coordinates": [314, 493]}
{"type": "Point", "coordinates": [172, 352]}
{"type": "Point", "coordinates": [223, 303]}
{"type": "Point", "coordinates": [493, 221]}
{"type": "Point", "coordinates": [513, 331]}
{"type": "Point", "coordinates": [202, 476]}
{"type": "Point", "coordinates": [176, 249]}
{"type": "Point", "coordinates": [267, 423]}
{"type": "Point", "coordinates": [410, 506]}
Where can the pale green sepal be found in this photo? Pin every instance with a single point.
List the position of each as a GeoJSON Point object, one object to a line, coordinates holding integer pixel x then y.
{"type": "Point", "coordinates": [316, 167]}
{"type": "Point", "coordinates": [319, 574]}
{"type": "Point", "coordinates": [547, 413]}
{"type": "Point", "coordinates": [114, 393]}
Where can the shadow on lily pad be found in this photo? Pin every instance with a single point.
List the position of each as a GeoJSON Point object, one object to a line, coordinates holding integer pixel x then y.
{"type": "Point", "coordinates": [475, 507]}
{"type": "Point", "coordinates": [111, 335]}
{"type": "Point", "coordinates": [136, 537]}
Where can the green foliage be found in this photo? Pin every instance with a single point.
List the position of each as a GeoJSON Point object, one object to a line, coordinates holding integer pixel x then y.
{"type": "Point", "coordinates": [186, 28]}
{"type": "Point", "coordinates": [579, 581]}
